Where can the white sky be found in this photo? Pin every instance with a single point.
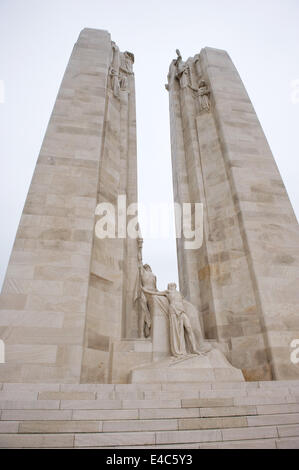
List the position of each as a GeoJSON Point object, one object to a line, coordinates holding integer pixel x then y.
{"type": "Point", "coordinates": [36, 40]}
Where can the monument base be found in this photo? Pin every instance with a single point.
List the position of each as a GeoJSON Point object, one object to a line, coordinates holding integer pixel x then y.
{"type": "Point", "coordinates": [210, 367]}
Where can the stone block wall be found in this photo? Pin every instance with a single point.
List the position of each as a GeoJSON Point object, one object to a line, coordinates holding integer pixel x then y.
{"type": "Point", "coordinates": [59, 303]}
{"type": "Point", "coordinates": [243, 279]}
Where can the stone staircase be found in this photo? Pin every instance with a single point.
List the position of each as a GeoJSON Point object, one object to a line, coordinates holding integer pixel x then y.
{"type": "Point", "coordinates": [175, 415]}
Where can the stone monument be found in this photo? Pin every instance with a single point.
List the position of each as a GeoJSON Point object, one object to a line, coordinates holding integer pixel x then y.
{"type": "Point", "coordinates": [81, 308]}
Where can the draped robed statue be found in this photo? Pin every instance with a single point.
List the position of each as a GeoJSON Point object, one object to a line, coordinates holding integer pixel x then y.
{"type": "Point", "coordinates": [185, 331]}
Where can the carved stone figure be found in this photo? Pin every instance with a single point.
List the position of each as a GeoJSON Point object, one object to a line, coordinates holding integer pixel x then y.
{"type": "Point", "coordinates": [203, 93]}
{"type": "Point", "coordinates": [186, 72]}
{"type": "Point", "coordinates": [123, 81]}
{"type": "Point", "coordinates": [114, 82]}
{"type": "Point", "coordinates": [182, 337]}
{"type": "Point", "coordinates": [193, 75]}
{"type": "Point", "coordinates": [145, 279]}
{"type": "Point", "coordinates": [114, 69]}
{"type": "Point", "coordinates": [183, 71]}
{"type": "Point", "coordinates": [126, 62]}
{"type": "Point", "coordinates": [121, 66]}
{"type": "Point", "coordinates": [197, 65]}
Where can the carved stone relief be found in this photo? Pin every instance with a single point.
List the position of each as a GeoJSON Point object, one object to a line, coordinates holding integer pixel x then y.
{"type": "Point", "coordinates": [189, 75]}
{"type": "Point", "coordinates": [120, 69]}
{"type": "Point", "coordinates": [185, 334]}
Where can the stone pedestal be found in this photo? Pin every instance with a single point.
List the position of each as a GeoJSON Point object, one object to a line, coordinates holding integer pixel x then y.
{"type": "Point", "coordinates": [126, 354]}
{"type": "Point", "coordinates": [211, 367]}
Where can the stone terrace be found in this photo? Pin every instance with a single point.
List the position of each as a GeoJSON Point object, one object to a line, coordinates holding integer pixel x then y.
{"type": "Point", "coordinates": [193, 415]}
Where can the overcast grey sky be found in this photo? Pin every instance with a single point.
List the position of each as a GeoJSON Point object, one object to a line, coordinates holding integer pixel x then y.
{"type": "Point", "coordinates": [36, 40]}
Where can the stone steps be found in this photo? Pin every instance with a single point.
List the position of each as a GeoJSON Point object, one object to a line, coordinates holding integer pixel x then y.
{"type": "Point", "coordinates": [202, 415]}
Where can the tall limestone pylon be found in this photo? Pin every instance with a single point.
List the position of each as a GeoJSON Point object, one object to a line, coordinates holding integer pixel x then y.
{"type": "Point", "coordinates": [67, 294]}
{"type": "Point", "coordinates": [245, 277]}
